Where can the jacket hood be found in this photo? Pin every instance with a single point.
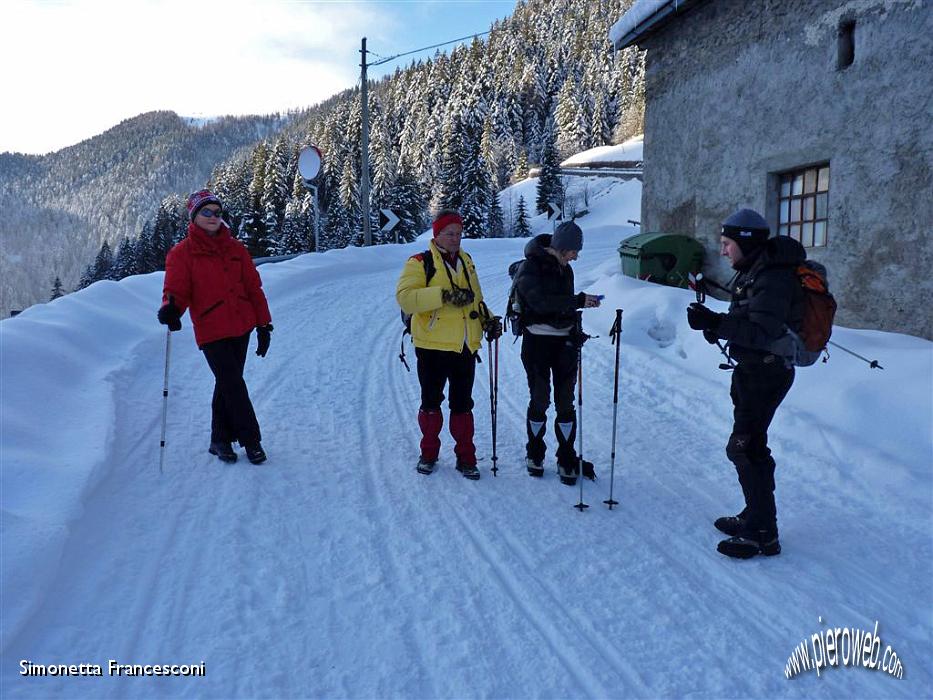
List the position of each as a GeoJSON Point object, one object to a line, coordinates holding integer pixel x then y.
{"type": "Point", "coordinates": [538, 245]}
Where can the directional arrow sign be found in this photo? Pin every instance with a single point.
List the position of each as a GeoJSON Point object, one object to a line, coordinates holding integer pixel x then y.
{"type": "Point", "coordinates": [387, 220]}
{"type": "Point", "coordinates": [553, 211]}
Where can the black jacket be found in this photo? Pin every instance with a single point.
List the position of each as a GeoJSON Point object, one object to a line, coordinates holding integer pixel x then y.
{"type": "Point", "coordinates": [545, 287]}
{"type": "Point", "coordinates": [766, 299]}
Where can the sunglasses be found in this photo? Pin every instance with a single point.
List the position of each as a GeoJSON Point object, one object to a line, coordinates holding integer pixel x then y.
{"type": "Point", "coordinates": [210, 213]}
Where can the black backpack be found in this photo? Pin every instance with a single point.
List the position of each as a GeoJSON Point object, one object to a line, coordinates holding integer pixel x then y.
{"type": "Point", "coordinates": [513, 310]}
{"type": "Point", "coordinates": [428, 260]}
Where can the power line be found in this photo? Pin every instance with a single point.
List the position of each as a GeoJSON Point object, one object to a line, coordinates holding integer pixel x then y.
{"type": "Point", "coordinates": [425, 48]}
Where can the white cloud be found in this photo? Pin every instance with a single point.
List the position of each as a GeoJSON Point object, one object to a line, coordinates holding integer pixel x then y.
{"type": "Point", "coordinates": [74, 69]}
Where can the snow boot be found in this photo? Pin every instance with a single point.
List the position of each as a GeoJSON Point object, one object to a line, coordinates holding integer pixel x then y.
{"type": "Point", "coordinates": [430, 423]}
{"type": "Point", "coordinates": [426, 466]}
{"type": "Point", "coordinates": [223, 451]}
{"type": "Point", "coordinates": [732, 525]}
{"type": "Point", "coordinates": [534, 468]}
{"type": "Point", "coordinates": [750, 543]}
{"type": "Point", "coordinates": [255, 453]}
{"type": "Point", "coordinates": [469, 471]}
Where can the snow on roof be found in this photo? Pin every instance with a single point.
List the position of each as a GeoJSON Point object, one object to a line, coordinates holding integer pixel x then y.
{"type": "Point", "coordinates": [637, 13]}
{"type": "Point", "coordinates": [628, 151]}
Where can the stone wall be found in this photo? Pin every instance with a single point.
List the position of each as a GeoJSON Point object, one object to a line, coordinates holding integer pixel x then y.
{"type": "Point", "coordinates": [736, 92]}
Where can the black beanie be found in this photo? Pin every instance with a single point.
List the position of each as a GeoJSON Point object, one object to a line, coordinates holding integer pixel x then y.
{"type": "Point", "coordinates": [748, 228]}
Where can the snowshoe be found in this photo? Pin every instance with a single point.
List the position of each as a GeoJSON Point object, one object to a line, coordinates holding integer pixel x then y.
{"type": "Point", "coordinates": [469, 471]}
{"type": "Point", "coordinates": [731, 525]}
{"type": "Point", "coordinates": [223, 451]}
{"type": "Point", "coordinates": [567, 474]}
{"type": "Point", "coordinates": [426, 466]}
{"type": "Point", "coordinates": [750, 544]}
{"type": "Point", "coordinates": [534, 468]}
{"type": "Point", "coordinates": [255, 453]}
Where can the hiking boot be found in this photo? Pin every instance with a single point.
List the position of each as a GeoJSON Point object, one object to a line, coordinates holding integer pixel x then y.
{"type": "Point", "coordinates": [469, 471]}
{"type": "Point", "coordinates": [731, 525]}
{"type": "Point", "coordinates": [534, 468]}
{"type": "Point", "coordinates": [751, 543]}
{"type": "Point", "coordinates": [255, 453]}
{"type": "Point", "coordinates": [426, 466]}
{"type": "Point", "coordinates": [223, 451]}
{"type": "Point", "coordinates": [589, 472]}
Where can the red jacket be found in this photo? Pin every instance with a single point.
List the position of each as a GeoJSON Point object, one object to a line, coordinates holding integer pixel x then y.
{"type": "Point", "coordinates": [215, 277]}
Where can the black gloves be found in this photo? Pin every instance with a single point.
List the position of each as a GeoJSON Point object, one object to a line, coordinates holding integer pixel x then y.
{"type": "Point", "coordinates": [264, 335]}
{"type": "Point", "coordinates": [457, 296]}
{"type": "Point", "coordinates": [492, 327]}
{"type": "Point", "coordinates": [701, 318]}
{"type": "Point", "coordinates": [710, 337]}
{"type": "Point", "coordinates": [169, 315]}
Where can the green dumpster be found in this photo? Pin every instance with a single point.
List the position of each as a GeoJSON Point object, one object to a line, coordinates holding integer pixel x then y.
{"type": "Point", "coordinates": [665, 258]}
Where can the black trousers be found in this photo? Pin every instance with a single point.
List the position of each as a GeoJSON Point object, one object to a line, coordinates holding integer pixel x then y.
{"type": "Point", "coordinates": [439, 367]}
{"type": "Point", "coordinates": [546, 357]}
{"type": "Point", "coordinates": [232, 415]}
{"type": "Point", "coordinates": [757, 391]}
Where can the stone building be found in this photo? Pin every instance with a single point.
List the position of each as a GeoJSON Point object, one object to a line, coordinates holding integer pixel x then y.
{"type": "Point", "coordinates": [818, 114]}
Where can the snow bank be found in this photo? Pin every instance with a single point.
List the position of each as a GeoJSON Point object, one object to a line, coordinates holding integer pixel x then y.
{"type": "Point", "coordinates": [625, 152]}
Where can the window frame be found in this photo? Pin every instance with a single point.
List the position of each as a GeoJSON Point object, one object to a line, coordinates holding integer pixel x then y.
{"type": "Point", "coordinates": [803, 204]}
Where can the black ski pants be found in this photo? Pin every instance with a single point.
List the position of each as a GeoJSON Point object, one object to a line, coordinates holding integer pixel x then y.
{"type": "Point", "coordinates": [439, 367]}
{"type": "Point", "coordinates": [232, 415]}
{"type": "Point", "coordinates": [546, 357]}
{"type": "Point", "coordinates": [757, 390]}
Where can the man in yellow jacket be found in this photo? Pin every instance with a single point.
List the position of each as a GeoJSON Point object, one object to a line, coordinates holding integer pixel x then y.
{"type": "Point", "coordinates": [448, 318]}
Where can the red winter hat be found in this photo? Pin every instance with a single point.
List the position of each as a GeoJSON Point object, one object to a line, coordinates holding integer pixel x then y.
{"type": "Point", "coordinates": [199, 199]}
{"type": "Point", "coordinates": [445, 218]}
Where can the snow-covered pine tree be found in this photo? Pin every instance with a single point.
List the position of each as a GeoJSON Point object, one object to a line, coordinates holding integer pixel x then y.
{"type": "Point", "coordinates": [57, 289]}
{"type": "Point", "coordinates": [522, 229]}
{"type": "Point", "coordinates": [550, 188]}
{"type": "Point", "coordinates": [495, 226]}
{"type": "Point", "coordinates": [124, 264]}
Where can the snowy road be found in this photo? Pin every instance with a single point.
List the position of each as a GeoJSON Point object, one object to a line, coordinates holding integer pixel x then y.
{"type": "Point", "coordinates": [335, 570]}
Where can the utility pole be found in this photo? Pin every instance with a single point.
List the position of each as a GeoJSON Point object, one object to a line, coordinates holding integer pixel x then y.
{"type": "Point", "coordinates": [364, 170]}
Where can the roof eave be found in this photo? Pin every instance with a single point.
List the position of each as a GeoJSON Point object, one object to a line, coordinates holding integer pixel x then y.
{"type": "Point", "coordinates": [656, 21]}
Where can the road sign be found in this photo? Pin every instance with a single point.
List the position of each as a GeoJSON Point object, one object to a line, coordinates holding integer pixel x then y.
{"type": "Point", "coordinates": [553, 211]}
{"type": "Point", "coordinates": [309, 164]}
{"type": "Point", "coordinates": [387, 220]}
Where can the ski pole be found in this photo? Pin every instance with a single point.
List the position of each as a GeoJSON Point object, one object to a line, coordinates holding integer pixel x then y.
{"type": "Point", "coordinates": [872, 364]}
{"type": "Point", "coordinates": [493, 397]}
{"type": "Point", "coordinates": [615, 332]}
{"type": "Point", "coordinates": [581, 506]}
{"type": "Point", "coordinates": [168, 348]}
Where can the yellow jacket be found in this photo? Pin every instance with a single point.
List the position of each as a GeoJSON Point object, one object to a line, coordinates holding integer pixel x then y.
{"type": "Point", "coordinates": [434, 324]}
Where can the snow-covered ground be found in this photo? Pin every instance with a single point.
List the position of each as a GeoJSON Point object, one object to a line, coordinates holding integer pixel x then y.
{"type": "Point", "coordinates": [335, 570]}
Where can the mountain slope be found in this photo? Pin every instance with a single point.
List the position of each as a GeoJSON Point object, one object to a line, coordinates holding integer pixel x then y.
{"type": "Point", "coordinates": [59, 208]}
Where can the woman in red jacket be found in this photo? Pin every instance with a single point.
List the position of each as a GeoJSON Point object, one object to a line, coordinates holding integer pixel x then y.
{"type": "Point", "coordinates": [212, 274]}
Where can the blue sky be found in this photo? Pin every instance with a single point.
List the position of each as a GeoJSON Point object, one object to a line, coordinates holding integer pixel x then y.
{"type": "Point", "coordinates": [80, 67]}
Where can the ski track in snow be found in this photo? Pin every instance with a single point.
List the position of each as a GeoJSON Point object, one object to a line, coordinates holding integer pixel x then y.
{"type": "Point", "coordinates": [335, 570]}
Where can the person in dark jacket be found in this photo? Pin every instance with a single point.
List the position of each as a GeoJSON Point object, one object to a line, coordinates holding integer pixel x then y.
{"type": "Point", "coordinates": [550, 341]}
{"type": "Point", "coordinates": [212, 274]}
{"type": "Point", "coordinates": [766, 301]}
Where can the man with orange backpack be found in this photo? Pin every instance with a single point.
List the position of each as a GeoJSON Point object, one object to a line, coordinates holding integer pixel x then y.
{"type": "Point", "coordinates": [767, 301]}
